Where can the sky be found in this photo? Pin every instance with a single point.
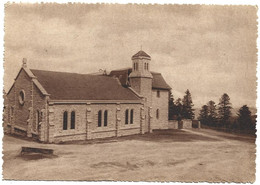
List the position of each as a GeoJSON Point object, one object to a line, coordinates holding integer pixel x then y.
{"type": "Point", "coordinates": [210, 50]}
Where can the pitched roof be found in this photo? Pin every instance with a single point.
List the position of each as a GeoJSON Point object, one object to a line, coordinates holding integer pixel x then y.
{"type": "Point", "coordinates": [73, 86]}
{"type": "Point", "coordinates": [159, 82]}
{"type": "Point", "coordinates": [123, 75]}
{"type": "Point", "coordinates": [140, 54]}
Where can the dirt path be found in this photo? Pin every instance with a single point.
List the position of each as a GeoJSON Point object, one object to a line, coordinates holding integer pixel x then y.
{"type": "Point", "coordinates": [203, 134]}
{"type": "Point", "coordinates": [169, 155]}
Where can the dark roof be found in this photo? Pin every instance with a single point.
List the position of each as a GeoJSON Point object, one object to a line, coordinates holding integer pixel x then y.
{"type": "Point", "coordinates": [73, 86]}
{"type": "Point", "coordinates": [140, 54]}
{"type": "Point", "coordinates": [123, 75]}
{"type": "Point", "coordinates": [159, 82]}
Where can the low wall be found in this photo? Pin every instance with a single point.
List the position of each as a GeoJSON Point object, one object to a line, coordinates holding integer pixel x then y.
{"type": "Point", "coordinates": [187, 123]}
{"type": "Point", "coordinates": [183, 124]}
{"type": "Point", "coordinates": [196, 124]}
{"type": "Point", "coordinates": [172, 124]}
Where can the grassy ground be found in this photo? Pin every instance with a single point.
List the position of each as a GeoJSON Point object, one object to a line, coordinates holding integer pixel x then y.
{"type": "Point", "coordinates": [170, 155]}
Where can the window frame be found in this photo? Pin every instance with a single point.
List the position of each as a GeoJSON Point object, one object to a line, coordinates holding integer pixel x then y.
{"type": "Point", "coordinates": [158, 93]}
{"type": "Point", "coordinates": [105, 118]}
{"type": "Point", "coordinates": [73, 121]}
{"type": "Point", "coordinates": [126, 116]}
{"type": "Point", "coordinates": [38, 119]}
{"type": "Point", "coordinates": [157, 114]}
{"type": "Point", "coordinates": [131, 116]}
{"type": "Point", "coordinates": [99, 118]}
{"type": "Point", "coordinates": [65, 120]}
{"type": "Point", "coordinates": [21, 97]}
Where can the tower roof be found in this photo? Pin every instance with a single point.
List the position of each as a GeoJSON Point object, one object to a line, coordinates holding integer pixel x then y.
{"type": "Point", "coordinates": [141, 53]}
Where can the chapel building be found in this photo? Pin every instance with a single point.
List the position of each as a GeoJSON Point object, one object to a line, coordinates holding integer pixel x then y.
{"type": "Point", "coordinates": [56, 107]}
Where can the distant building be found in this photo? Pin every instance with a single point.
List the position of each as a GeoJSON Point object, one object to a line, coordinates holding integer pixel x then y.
{"type": "Point", "coordinates": [58, 106]}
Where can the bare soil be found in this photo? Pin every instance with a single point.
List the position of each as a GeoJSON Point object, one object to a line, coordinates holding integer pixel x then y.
{"type": "Point", "coordinates": [167, 155]}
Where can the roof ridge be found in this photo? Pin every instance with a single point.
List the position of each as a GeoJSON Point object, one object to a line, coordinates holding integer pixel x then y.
{"type": "Point", "coordinates": [122, 69]}
{"type": "Point", "coordinates": [63, 72]}
{"type": "Point", "coordinates": [141, 53]}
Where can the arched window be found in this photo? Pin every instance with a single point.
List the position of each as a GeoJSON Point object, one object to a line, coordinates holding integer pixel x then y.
{"type": "Point", "coordinates": [21, 97]}
{"type": "Point", "coordinates": [158, 94]}
{"type": "Point", "coordinates": [99, 118]}
{"type": "Point", "coordinates": [105, 118]}
{"type": "Point", "coordinates": [157, 114]}
{"type": "Point", "coordinates": [72, 120]}
{"type": "Point", "coordinates": [65, 120]}
{"type": "Point", "coordinates": [126, 116]}
{"type": "Point", "coordinates": [131, 116]}
{"type": "Point", "coordinates": [38, 119]}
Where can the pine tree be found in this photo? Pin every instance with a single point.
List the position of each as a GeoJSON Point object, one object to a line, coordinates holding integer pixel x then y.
{"type": "Point", "coordinates": [224, 109]}
{"type": "Point", "coordinates": [212, 113]}
{"type": "Point", "coordinates": [203, 116]}
{"type": "Point", "coordinates": [187, 111]}
{"type": "Point", "coordinates": [171, 106]}
{"type": "Point", "coordinates": [178, 109]}
{"type": "Point", "coordinates": [244, 118]}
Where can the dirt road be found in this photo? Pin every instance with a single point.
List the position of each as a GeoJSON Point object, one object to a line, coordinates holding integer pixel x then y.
{"type": "Point", "coordinates": [171, 155]}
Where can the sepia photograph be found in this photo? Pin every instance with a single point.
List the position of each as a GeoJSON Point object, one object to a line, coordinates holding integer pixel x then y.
{"type": "Point", "coordinates": [129, 92]}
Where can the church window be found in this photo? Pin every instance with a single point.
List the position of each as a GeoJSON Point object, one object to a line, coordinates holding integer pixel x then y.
{"type": "Point", "coordinates": [21, 97]}
{"type": "Point", "coordinates": [131, 116]}
{"type": "Point", "coordinates": [65, 120]}
{"type": "Point", "coordinates": [11, 113]}
{"type": "Point", "coordinates": [158, 94]}
{"type": "Point", "coordinates": [126, 116]}
{"type": "Point", "coordinates": [72, 120]}
{"type": "Point", "coordinates": [38, 115]}
{"type": "Point", "coordinates": [99, 118]}
{"type": "Point", "coordinates": [147, 66]}
{"type": "Point", "coordinates": [157, 114]}
{"type": "Point", "coordinates": [105, 118]}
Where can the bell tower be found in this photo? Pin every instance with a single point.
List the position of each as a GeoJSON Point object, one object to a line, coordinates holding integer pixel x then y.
{"type": "Point", "coordinates": [141, 77]}
{"type": "Point", "coordinates": [141, 81]}
{"type": "Point", "coordinates": [141, 65]}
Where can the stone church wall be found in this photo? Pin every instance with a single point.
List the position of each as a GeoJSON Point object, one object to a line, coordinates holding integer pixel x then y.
{"type": "Point", "coordinates": [18, 118]}
{"type": "Point", "coordinates": [86, 125]}
{"type": "Point", "coordinates": [160, 103]}
{"type": "Point", "coordinates": [21, 112]}
{"type": "Point", "coordinates": [39, 104]}
{"type": "Point", "coordinates": [129, 129]}
{"type": "Point", "coordinates": [56, 132]}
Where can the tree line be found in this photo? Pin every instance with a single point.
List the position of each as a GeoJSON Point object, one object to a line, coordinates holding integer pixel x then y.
{"type": "Point", "coordinates": [181, 108]}
{"type": "Point", "coordinates": [220, 115]}
{"type": "Point", "coordinates": [212, 114]}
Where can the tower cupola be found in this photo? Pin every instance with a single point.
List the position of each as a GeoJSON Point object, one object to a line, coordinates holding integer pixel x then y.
{"type": "Point", "coordinates": [141, 65]}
